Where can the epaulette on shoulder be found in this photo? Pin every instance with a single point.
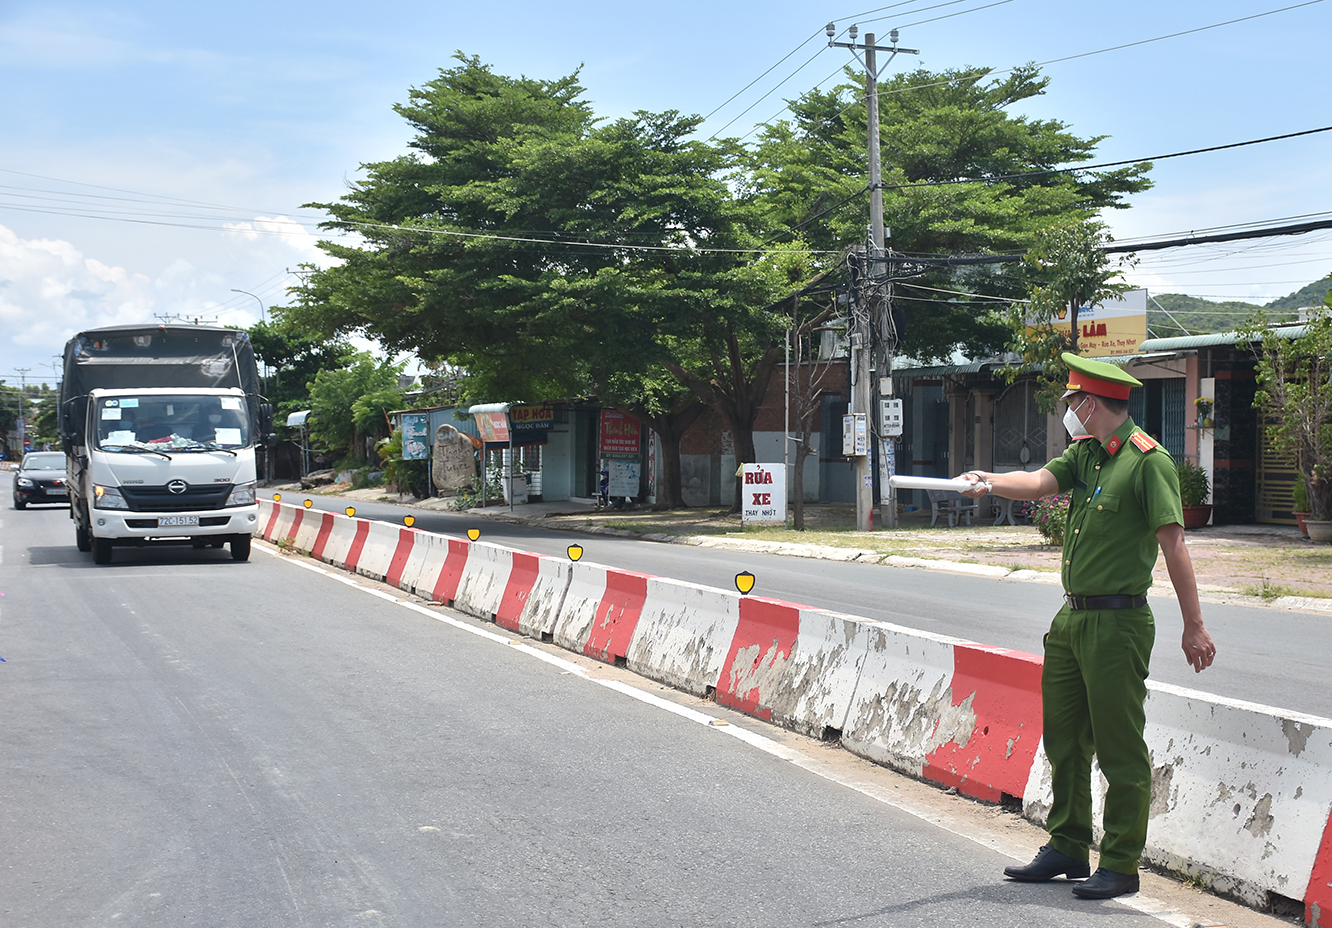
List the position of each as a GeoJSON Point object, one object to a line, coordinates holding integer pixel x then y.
{"type": "Point", "coordinates": [1143, 441]}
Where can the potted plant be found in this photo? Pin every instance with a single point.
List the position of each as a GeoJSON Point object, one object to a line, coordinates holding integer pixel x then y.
{"type": "Point", "coordinates": [1194, 488]}
{"type": "Point", "coordinates": [1294, 374]}
{"type": "Point", "coordinates": [1203, 405]}
{"type": "Point", "coordinates": [1300, 494]}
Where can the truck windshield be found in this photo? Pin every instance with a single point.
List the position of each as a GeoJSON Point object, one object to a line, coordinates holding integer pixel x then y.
{"type": "Point", "coordinates": [180, 423]}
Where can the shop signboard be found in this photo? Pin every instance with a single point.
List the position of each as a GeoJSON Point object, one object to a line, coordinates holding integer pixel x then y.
{"type": "Point", "coordinates": [623, 478]}
{"type": "Point", "coordinates": [1113, 327]}
{"type": "Point", "coordinates": [764, 488]}
{"type": "Point", "coordinates": [531, 424]}
{"type": "Point", "coordinates": [620, 435]}
{"type": "Point", "coordinates": [415, 436]}
{"type": "Point", "coordinates": [493, 426]}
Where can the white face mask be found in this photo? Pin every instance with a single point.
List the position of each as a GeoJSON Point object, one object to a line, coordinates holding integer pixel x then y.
{"type": "Point", "coordinates": [1074, 425]}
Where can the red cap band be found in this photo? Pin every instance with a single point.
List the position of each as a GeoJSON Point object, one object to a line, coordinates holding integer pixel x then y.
{"type": "Point", "coordinates": [1085, 384]}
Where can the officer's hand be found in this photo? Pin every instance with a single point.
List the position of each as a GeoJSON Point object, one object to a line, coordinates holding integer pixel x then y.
{"type": "Point", "coordinates": [978, 486]}
{"type": "Point", "coordinates": [1199, 650]}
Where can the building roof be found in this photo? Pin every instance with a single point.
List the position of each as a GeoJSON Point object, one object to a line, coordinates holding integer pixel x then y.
{"type": "Point", "coordinates": [1214, 339]}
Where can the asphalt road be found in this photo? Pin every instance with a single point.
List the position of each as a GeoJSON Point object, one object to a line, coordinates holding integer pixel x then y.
{"type": "Point", "coordinates": [194, 741]}
{"type": "Point", "coordinates": [1268, 656]}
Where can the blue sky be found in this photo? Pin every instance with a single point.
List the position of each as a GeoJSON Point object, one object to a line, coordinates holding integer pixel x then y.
{"type": "Point", "coordinates": [203, 129]}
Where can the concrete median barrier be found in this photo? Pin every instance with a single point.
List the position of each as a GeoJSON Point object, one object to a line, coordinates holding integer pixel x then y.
{"type": "Point", "coordinates": [793, 665]}
{"type": "Point", "coordinates": [683, 634]}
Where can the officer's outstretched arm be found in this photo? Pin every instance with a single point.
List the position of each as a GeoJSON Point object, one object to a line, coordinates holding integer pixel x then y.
{"type": "Point", "coordinates": [1016, 484]}
{"type": "Point", "coordinates": [1199, 650]}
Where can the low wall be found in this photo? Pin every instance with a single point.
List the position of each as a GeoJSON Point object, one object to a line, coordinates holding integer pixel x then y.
{"type": "Point", "coordinates": [1241, 792]}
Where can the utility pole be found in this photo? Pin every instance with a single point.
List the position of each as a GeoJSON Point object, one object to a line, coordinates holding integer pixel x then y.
{"type": "Point", "coordinates": [22, 422]}
{"type": "Point", "coordinates": [876, 303]}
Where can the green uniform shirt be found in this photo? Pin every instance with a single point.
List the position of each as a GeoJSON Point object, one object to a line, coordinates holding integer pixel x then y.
{"type": "Point", "coordinates": [1122, 492]}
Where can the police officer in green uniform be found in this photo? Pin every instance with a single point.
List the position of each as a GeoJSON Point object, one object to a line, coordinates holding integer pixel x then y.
{"type": "Point", "coordinates": [1124, 504]}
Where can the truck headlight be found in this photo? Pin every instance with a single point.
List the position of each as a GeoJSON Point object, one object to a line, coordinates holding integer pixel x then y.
{"type": "Point", "coordinates": [242, 494]}
{"type": "Point", "coordinates": [108, 498]}
{"type": "Point", "coordinates": [25, 482]}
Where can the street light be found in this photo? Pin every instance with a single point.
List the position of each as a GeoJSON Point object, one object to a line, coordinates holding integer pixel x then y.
{"type": "Point", "coordinates": [262, 317]}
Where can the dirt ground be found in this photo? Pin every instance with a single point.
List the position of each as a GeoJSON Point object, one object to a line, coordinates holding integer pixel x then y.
{"type": "Point", "coordinates": [1264, 561]}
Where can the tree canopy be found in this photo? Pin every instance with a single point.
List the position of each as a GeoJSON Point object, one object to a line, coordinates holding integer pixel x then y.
{"type": "Point", "coordinates": [549, 253]}
{"type": "Point", "coordinates": [961, 175]}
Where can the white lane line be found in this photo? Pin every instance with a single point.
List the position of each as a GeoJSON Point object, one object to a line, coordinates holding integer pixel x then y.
{"type": "Point", "coordinates": [1139, 903]}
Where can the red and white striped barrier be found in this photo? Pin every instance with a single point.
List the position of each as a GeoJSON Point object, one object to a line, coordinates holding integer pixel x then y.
{"type": "Point", "coordinates": [442, 572]}
{"type": "Point", "coordinates": [683, 635]}
{"type": "Point", "coordinates": [947, 711]}
{"type": "Point", "coordinates": [794, 666]}
{"type": "Point", "coordinates": [601, 610]}
{"type": "Point", "coordinates": [484, 579]}
{"type": "Point", "coordinates": [1242, 793]}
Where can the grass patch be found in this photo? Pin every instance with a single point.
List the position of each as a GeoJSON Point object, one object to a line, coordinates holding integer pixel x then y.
{"type": "Point", "coordinates": [1269, 591]}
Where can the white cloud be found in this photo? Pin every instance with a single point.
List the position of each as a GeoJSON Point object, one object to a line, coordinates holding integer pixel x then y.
{"type": "Point", "coordinates": [50, 290]}
{"type": "Point", "coordinates": [288, 232]}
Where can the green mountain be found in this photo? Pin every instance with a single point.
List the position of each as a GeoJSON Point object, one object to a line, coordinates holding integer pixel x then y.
{"type": "Point", "coordinates": [1308, 295]}
{"type": "Point", "coordinates": [1168, 312]}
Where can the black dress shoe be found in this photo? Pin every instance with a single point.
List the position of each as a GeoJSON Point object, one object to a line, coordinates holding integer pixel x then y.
{"type": "Point", "coordinates": [1106, 884]}
{"type": "Point", "coordinates": [1048, 864]}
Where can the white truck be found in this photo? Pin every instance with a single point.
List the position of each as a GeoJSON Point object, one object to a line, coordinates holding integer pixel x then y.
{"type": "Point", "coordinates": [159, 426]}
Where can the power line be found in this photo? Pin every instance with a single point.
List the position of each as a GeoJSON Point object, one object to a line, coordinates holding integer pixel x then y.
{"type": "Point", "coordinates": [1040, 64]}
{"type": "Point", "coordinates": [815, 35]}
{"type": "Point", "coordinates": [1116, 248]}
{"type": "Point", "coordinates": [803, 66]}
{"type": "Point", "coordinates": [1108, 164]}
{"type": "Point", "coordinates": [1090, 167]}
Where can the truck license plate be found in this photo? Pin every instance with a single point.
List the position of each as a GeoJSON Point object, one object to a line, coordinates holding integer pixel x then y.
{"type": "Point", "coordinates": [164, 521]}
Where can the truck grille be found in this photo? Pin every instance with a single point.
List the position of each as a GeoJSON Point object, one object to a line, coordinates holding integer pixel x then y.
{"type": "Point", "coordinates": [160, 499]}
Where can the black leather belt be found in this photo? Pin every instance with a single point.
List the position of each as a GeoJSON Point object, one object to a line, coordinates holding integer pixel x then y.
{"type": "Point", "coordinates": [1104, 602]}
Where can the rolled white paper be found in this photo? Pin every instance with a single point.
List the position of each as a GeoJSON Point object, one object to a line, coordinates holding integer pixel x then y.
{"type": "Point", "coordinates": [910, 482]}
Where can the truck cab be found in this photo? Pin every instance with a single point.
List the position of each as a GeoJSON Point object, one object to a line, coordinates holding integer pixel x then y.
{"type": "Point", "coordinates": [159, 425]}
{"type": "Point", "coordinates": [165, 464]}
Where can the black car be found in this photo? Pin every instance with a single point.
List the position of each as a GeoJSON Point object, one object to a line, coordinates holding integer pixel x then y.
{"type": "Point", "coordinates": [40, 479]}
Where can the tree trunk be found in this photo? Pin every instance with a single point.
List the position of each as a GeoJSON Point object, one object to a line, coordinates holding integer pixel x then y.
{"type": "Point", "coordinates": [803, 451]}
{"type": "Point", "coordinates": [736, 395]}
{"type": "Point", "coordinates": [671, 426]}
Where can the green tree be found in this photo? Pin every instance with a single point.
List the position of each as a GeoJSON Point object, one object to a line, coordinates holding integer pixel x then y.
{"type": "Point", "coordinates": [544, 253]}
{"type": "Point", "coordinates": [962, 175]}
{"type": "Point", "coordinates": [350, 404]}
{"type": "Point", "coordinates": [1294, 372]}
{"type": "Point", "coordinates": [1073, 271]}
{"type": "Point", "coordinates": [292, 359]}
{"type": "Point", "coordinates": [37, 404]}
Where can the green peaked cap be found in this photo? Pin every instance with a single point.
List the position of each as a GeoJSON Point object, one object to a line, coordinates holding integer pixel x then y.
{"type": "Point", "coordinates": [1097, 378]}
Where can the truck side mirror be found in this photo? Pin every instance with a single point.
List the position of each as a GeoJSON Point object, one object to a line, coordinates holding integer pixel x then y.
{"type": "Point", "coordinates": [266, 434]}
{"type": "Point", "coordinates": [72, 425]}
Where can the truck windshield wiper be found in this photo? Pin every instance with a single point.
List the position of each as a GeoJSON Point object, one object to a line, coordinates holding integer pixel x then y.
{"type": "Point", "coordinates": [135, 449]}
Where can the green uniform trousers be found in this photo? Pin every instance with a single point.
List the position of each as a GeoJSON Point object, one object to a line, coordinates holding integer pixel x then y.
{"type": "Point", "coordinates": [1093, 686]}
